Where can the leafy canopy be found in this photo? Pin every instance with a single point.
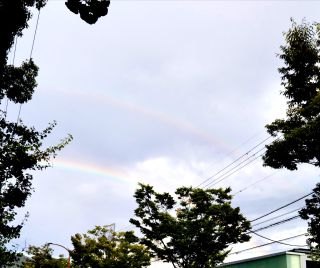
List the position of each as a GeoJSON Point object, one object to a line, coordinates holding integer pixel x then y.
{"type": "Point", "coordinates": [42, 257]}
{"type": "Point", "coordinates": [90, 10]}
{"type": "Point", "coordinates": [298, 136]}
{"type": "Point", "coordinates": [192, 231]}
{"type": "Point", "coordinates": [21, 147]}
{"type": "Point", "coordinates": [311, 212]}
{"type": "Point", "coordinates": [98, 248]}
{"type": "Point", "coordinates": [102, 247]}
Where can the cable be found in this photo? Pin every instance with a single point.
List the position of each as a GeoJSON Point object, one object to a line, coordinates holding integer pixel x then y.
{"type": "Point", "coordinates": [32, 46]}
{"type": "Point", "coordinates": [254, 183]}
{"type": "Point", "coordinates": [226, 175]}
{"type": "Point", "coordinates": [35, 33]}
{"type": "Point", "coordinates": [15, 49]}
{"type": "Point", "coordinates": [236, 160]}
{"type": "Point", "coordinates": [279, 242]}
{"type": "Point", "coordinates": [20, 106]}
{"type": "Point", "coordinates": [275, 224]}
{"type": "Point", "coordinates": [273, 211]}
{"type": "Point", "coordinates": [277, 217]}
{"type": "Point", "coordinates": [246, 141]}
{"type": "Point", "coordinates": [247, 249]}
{"type": "Point", "coordinates": [13, 59]}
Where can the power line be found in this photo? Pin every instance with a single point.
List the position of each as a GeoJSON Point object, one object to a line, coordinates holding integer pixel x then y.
{"type": "Point", "coordinates": [245, 142]}
{"type": "Point", "coordinates": [15, 49]}
{"type": "Point", "coordinates": [228, 174]}
{"type": "Point", "coordinates": [236, 160]}
{"type": "Point", "coordinates": [35, 33]}
{"type": "Point", "coordinates": [31, 51]}
{"type": "Point", "coordinates": [278, 241]}
{"type": "Point", "coordinates": [273, 211]}
{"type": "Point", "coordinates": [277, 217]}
{"type": "Point", "coordinates": [254, 183]}
{"type": "Point", "coordinates": [263, 245]}
{"type": "Point", "coordinates": [13, 59]}
{"type": "Point", "coordinates": [275, 224]}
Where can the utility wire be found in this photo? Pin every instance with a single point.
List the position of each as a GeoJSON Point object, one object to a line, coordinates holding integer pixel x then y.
{"type": "Point", "coordinates": [245, 142]}
{"type": "Point", "coordinates": [278, 241]}
{"type": "Point", "coordinates": [228, 174]}
{"type": "Point", "coordinates": [32, 46]}
{"type": "Point", "coordinates": [15, 49]}
{"type": "Point", "coordinates": [35, 33]}
{"type": "Point", "coordinates": [273, 211]}
{"type": "Point", "coordinates": [277, 216]}
{"type": "Point", "coordinates": [275, 224]}
{"type": "Point", "coordinates": [254, 183]}
{"type": "Point", "coordinates": [13, 59]}
{"type": "Point", "coordinates": [236, 160]}
{"type": "Point", "coordinates": [263, 245]}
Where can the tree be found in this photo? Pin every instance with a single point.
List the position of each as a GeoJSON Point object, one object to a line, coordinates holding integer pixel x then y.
{"type": "Point", "coordinates": [298, 136]}
{"type": "Point", "coordinates": [98, 248]}
{"type": "Point", "coordinates": [90, 10]}
{"type": "Point", "coordinates": [15, 14]}
{"type": "Point", "coordinates": [41, 257]}
{"type": "Point", "coordinates": [197, 234]}
{"type": "Point", "coordinates": [20, 151]}
{"type": "Point", "coordinates": [311, 212]}
{"type": "Point", "coordinates": [14, 17]}
{"type": "Point", "coordinates": [102, 247]}
{"type": "Point", "coordinates": [21, 147]}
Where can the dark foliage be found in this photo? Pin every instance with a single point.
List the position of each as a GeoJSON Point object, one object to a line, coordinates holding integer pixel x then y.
{"type": "Point", "coordinates": [195, 235]}
{"type": "Point", "coordinates": [42, 257]}
{"type": "Point", "coordinates": [14, 17]}
{"type": "Point", "coordinates": [102, 247]}
{"type": "Point", "coordinates": [311, 212]}
{"type": "Point", "coordinates": [299, 134]}
{"type": "Point", "coordinates": [90, 10]}
{"type": "Point", "coordinates": [21, 149]}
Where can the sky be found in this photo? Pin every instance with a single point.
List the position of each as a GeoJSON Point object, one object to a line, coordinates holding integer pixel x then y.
{"type": "Point", "coordinates": [160, 92]}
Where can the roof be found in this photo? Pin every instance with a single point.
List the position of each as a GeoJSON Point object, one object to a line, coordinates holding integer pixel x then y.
{"type": "Point", "coordinates": [296, 251]}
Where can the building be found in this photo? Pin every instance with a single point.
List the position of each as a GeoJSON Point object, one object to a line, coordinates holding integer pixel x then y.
{"type": "Point", "coordinates": [296, 258]}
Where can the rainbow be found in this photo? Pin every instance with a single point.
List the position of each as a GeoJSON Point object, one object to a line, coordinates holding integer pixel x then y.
{"type": "Point", "coordinates": [155, 115]}
{"type": "Point", "coordinates": [95, 170]}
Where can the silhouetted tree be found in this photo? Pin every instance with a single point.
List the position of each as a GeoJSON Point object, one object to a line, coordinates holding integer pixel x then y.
{"type": "Point", "coordinates": [311, 212]}
{"type": "Point", "coordinates": [21, 149]}
{"type": "Point", "coordinates": [195, 235]}
{"type": "Point", "coordinates": [14, 17]}
{"type": "Point", "coordinates": [21, 146]}
{"type": "Point", "coordinates": [42, 257]}
{"type": "Point", "coordinates": [90, 10]}
{"type": "Point", "coordinates": [100, 247]}
{"type": "Point", "coordinates": [15, 14]}
{"type": "Point", "coordinates": [298, 136]}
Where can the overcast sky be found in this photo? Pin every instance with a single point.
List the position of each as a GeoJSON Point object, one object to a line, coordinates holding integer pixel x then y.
{"type": "Point", "coordinates": [161, 92]}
